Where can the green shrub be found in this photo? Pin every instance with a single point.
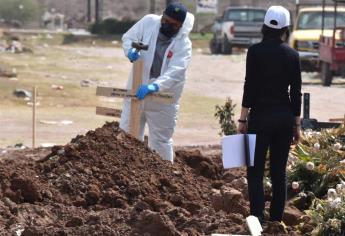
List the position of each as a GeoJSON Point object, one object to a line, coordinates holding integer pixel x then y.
{"type": "Point", "coordinates": [325, 156]}
{"type": "Point", "coordinates": [111, 26]}
{"type": "Point", "coordinates": [19, 10]}
{"type": "Point", "coordinates": [225, 115]}
{"type": "Point", "coordinates": [317, 174]}
{"type": "Point", "coordinates": [328, 215]}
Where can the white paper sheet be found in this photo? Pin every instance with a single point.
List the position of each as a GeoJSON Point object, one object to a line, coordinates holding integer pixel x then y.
{"type": "Point", "coordinates": [234, 152]}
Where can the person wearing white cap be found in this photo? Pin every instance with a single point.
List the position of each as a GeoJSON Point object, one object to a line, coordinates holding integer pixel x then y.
{"type": "Point", "coordinates": [271, 108]}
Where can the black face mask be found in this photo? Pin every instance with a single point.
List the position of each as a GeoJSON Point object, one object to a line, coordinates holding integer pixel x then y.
{"type": "Point", "coordinates": [168, 30]}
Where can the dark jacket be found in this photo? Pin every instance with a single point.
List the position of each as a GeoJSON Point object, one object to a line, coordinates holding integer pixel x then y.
{"type": "Point", "coordinates": [273, 78]}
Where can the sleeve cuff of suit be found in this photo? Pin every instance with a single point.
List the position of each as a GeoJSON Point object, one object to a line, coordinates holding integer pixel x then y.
{"type": "Point", "coordinates": [160, 85]}
{"type": "Point", "coordinates": [156, 87]}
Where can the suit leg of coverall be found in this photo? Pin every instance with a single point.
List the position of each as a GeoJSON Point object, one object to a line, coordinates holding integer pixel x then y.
{"type": "Point", "coordinates": [125, 119]}
{"type": "Point", "coordinates": [161, 122]}
{"type": "Point", "coordinates": [279, 152]}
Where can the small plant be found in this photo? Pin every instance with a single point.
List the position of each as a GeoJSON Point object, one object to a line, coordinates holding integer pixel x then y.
{"type": "Point", "coordinates": [225, 115]}
{"type": "Point", "coordinates": [316, 174]}
{"type": "Point", "coordinates": [318, 161]}
{"type": "Point", "coordinates": [329, 214]}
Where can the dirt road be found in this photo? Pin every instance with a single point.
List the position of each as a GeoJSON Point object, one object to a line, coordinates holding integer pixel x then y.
{"type": "Point", "coordinates": [210, 80]}
{"type": "Point", "coordinates": [222, 76]}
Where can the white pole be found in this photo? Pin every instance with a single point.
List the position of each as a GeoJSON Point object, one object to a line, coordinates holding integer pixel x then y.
{"type": "Point", "coordinates": [34, 117]}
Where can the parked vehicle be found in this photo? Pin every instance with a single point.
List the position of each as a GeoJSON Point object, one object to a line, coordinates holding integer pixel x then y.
{"type": "Point", "coordinates": [238, 27]}
{"type": "Point", "coordinates": [308, 29]}
{"type": "Point", "coordinates": [332, 48]}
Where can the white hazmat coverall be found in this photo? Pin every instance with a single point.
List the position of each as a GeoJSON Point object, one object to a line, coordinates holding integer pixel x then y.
{"type": "Point", "coordinates": [160, 118]}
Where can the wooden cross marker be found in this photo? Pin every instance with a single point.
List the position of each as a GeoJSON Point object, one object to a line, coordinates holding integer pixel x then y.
{"type": "Point", "coordinates": [135, 104]}
{"type": "Point", "coordinates": [105, 111]}
{"type": "Point", "coordinates": [135, 112]}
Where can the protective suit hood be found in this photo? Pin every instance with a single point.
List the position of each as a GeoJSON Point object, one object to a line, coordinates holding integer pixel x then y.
{"type": "Point", "coordinates": [187, 25]}
{"type": "Point", "coordinates": [161, 118]}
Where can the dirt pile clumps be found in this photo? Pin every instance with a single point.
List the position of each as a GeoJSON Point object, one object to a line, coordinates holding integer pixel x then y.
{"type": "Point", "coordinates": [108, 183]}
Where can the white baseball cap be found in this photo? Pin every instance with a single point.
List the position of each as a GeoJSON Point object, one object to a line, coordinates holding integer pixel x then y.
{"type": "Point", "coordinates": [277, 17]}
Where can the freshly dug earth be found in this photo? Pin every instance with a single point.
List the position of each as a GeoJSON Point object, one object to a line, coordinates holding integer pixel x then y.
{"type": "Point", "coordinates": [108, 183]}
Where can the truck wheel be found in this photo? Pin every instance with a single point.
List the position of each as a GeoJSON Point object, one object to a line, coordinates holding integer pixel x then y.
{"type": "Point", "coordinates": [215, 47]}
{"type": "Point", "coordinates": [326, 74]}
{"type": "Point", "coordinates": [226, 47]}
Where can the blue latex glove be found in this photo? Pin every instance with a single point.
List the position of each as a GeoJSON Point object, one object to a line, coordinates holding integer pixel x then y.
{"type": "Point", "coordinates": [133, 55]}
{"type": "Point", "coordinates": [146, 89]}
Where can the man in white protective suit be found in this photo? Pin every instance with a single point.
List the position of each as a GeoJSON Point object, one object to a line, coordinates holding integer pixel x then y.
{"type": "Point", "coordinates": [165, 64]}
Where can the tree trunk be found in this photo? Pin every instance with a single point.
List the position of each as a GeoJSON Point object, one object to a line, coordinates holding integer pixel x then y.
{"type": "Point", "coordinates": [88, 10]}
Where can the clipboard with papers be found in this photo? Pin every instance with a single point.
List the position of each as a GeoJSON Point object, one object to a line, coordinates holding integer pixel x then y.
{"type": "Point", "coordinates": [238, 150]}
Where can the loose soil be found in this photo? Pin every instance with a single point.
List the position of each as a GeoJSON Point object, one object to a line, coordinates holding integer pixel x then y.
{"type": "Point", "coordinates": [108, 183]}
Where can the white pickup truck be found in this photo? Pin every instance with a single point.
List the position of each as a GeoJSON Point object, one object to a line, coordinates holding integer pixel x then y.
{"type": "Point", "coordinates": [238, 27]}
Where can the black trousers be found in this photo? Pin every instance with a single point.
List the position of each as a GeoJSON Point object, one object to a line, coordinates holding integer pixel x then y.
{"type": "Point", "coordinates": [274, 132]}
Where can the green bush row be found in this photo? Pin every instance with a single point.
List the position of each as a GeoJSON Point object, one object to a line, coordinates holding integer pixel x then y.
{"type": "Point", "coordinates": [111, 26]}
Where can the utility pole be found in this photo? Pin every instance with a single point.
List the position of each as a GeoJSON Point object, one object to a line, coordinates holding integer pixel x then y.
{"type": "Point", "coordinates": [152, 6]}
{"type": "Point", "coordinates": [88, 10]}
{"type": "Point", "coordinates": [97, 11]}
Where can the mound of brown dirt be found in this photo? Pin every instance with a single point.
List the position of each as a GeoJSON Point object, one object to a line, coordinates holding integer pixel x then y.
{"type": "Point", "coordinates": [108, 183]}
